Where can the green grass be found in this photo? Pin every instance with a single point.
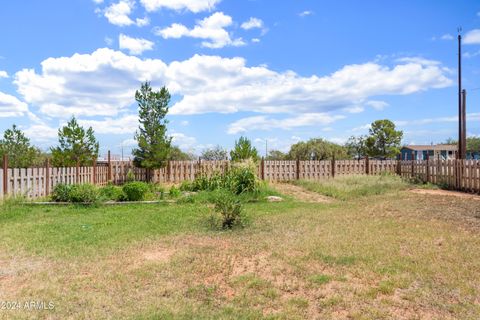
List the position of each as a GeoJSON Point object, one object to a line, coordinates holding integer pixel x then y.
{"type": "Point", "coordinates": [352, 187]}
{"type": "Point", "coordinates": [372, 255]}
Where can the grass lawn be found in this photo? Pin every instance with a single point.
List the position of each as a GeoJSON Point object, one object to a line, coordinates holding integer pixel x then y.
{"type": "Point", "coordinates": [387, 253]}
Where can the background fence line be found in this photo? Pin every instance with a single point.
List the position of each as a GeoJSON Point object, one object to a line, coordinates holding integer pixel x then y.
{"type": "Point", "coordinates": [461, 175]}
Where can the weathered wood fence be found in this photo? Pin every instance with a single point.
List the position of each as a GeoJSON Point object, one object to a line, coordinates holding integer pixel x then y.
{"type": "Point", "coordinates": [39, 182]}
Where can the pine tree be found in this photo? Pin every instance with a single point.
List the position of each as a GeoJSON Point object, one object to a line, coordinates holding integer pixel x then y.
{"type": "Point", "coordinates": [244, 150]}
{"type": "Point", "coordinates": [21, 154]}
{"type": "Point", "coordinates": [153, 143]}
{"type": "Point", "coordinates": [76, 146]}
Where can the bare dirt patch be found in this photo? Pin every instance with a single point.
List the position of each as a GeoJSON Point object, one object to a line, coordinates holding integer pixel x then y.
{"type": "Point", "coordinates": [300, 193]}
{"type": "Point", "coordinates": [439, 192]}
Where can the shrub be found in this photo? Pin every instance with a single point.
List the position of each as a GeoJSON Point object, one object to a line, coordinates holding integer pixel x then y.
{"type": "Point", "coordinates": [230, 209]}
{"type": "Point", "coordinates": [130, 176]}
{"type": "Point", "coordinates": [111, 192]}
{"type": "Point", "coordinates": [61, 193]}
{"type": "Point", "coordinates": [83, 193]}
{"type": "Point", "coordinates": [174, 192]}
{"type": "Point", "coordinates": [135, 191]}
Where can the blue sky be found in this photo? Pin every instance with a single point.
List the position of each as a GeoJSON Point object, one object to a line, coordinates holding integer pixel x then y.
{"type": "Point", "coordinates": [281, 71]}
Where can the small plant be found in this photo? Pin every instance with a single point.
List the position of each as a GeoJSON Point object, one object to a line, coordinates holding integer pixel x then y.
{"type": "Point", "coordinates": [61, 193]}
{"type": "Point", "coordinates": [174, 192]}
{"type": "Point", "coordinates": [111, 192]}
{"type": "Point", "coordinates": [130, 176]}
{"type": "Point", "coordinates": [83, 193]}
{"type": "Point", "coordinates": [230, 210]}
{"type": "Point", "coordinates": [135, 191]}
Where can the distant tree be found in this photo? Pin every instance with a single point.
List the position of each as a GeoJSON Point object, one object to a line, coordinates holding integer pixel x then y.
{"type": "Point", "coordinates": [21, 154]}
{"type": "Point", "coordinates": [356, 146]}
{"type": "Point", "coordinates": [176, 154]}
{"type": "Point", "coordinates": [384, 140]}
{"type": "Point", "coordinates": [276, 155]}
{"type": "Point", "coordinates": [317, 149]}
{"type": "Point", "coordinates": [450, 141]}
{"type": "Point", "coordinates": [215, 153]}
{"type": "Point", "coordinates": [473, 144]}
{"type": "Point", "coordinates": [76, 146]}
{"type": "Point", "coordinates": [243, 150]}
{"type": "Point", "coordinates": [154, 146]}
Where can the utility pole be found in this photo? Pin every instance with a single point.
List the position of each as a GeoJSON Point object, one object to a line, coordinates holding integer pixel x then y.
{"type": "Point", "coordinates": [460, 154]}
{"type": "Point", "coordinates": [266, 148]}
{"type": "Point", "coordinates": [464, 124]}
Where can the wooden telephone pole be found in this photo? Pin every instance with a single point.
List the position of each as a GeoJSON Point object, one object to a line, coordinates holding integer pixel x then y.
{"type": "Point", "coordinates": [461, 154]}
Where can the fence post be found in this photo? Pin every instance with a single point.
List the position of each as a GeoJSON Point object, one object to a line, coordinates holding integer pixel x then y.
{"type": "Point", "coordinates": [427, 169]}
{"type": "Point", "coordinates": [47, 177]}
{"type": "Point", "coordinates": [367, 165]}
{"type": "Point", "coordinates": [262, 169]}
{"type": "Point", "coordinates": [169, 170]}
{"type": "Point", "coordinates": [109, 171]}
{"type": "Point", "coordinates": [77, 172]}
{"type": "Point", "coordinates": [399, 165]}
{"type": "Point", "coordinates": [298, 169]}
{"type": "Point", "coordinates": [333, 166]}
{"type": "Point", "coordinates": [5, 175]}
{"type": "Point", "coordinates": [94, 171]}
{"type": "Point", "coordinates": [413, 164]}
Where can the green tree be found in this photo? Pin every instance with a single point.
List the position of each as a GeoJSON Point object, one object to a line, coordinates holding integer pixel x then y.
{"type": "Point", "coordinates": [356, 146]}
{"type": "Point", "coordinates": [215, 153]}
{"type": "Point", "coordinates": [316, 149]}
{"type": "Point", "coordinates": [243, 150]}
{"type": "Point", "coordinates": [176, 154]}
{"type": "Point", "coordinates": [384, 140]}
{"type": "Point", "coordinates": [276, 155]}
{"type": "Point", "coordinates": [76, 146]}
{"type": "Point", "coordinates": [21, 154]}
{"type": "Point", "coordinates": [473, 144]}
{"type": "Point", "coordinates": [154, 146]}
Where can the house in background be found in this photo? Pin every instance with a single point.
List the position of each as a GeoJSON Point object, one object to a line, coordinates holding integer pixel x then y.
{"type": "Point", "coordinates": [435, 151]}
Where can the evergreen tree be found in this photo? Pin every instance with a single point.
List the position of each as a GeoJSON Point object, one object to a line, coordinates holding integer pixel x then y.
{"type": "Point", "coordinates": [243, 150]}
{"type": "Point", "coordinates": [384, 140]}
{"type": "Point", "coordinates": [153, 144]}
{"type": "Point", "coordinates": [21, 154]}
{"type": "Point", "coordinates": [76, 146]}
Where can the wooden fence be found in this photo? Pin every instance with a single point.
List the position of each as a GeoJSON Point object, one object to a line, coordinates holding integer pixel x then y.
{"type": "Point", "coordinates": [39, 182]}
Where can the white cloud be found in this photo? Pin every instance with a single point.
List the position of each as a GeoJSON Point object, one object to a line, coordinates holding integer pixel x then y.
{"type": "Point", "coordinates": [252, 23]}
{"type": "Point", "coordinates": [3, 74]}
{"type": "Point", "coordinates": [265, 123]}
{"type": "Point", "coordinates": [129, 143]}
{"type": "Point", "coordinates": [194, 6]}
{"type": "Point", "coordinates": [98, 1]}
{"type": "Point", "coordinates": [305, 13]}
{"type": "Point", "coordinates": [108, 41]}
{"type": "Point", "coordinates": [183, 141]}
{"type": "Point", "coordinates": [185, 123]}
{"type": "Point", "coordinates": [233, 87]}
{"type": "Point", "coordinates": [447, 36]}
{"type": "Point", "coordinates": [469, 55]}
{"type": "Point", "coordinates": [135, 46]}
{"type": "Point", "coordinates": [255, 40]}
{"type": "Point", "coordinates": [122, 125]}
{"type": "Point", "coordinates": [211, 28]}
{"type": "Point", "coordinates": [470, 117]}
{"type": "Point", "coordinates": [10, 106]}
{"type": "Point", "coordinates": [103, 83]}
{"type": "Point", "coordinates": [472, 37]}
{"type": "Point", "coordinates": [377, 105]}
{"type": "Point", "coordinates": [118, 13]}
{"type": "Point", "coordinates": [41, 133]}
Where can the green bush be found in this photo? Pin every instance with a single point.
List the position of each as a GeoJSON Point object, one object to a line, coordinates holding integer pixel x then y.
{"type": "Point", "coordinates": [61, 193]}
{"type": "Point", "coordinates": [83, 193]}
{"type": "Point", "coordinates": [174, 192]}
{"type": "Point", "coordinates": [111, 192]}
{"type": "Point", "coordinates": [135, 191]}
{"type": "Point", "coordinates": [230, 211]}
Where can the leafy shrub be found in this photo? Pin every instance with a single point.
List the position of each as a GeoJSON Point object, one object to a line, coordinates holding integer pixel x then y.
{"type": "Point", "coordinates": [241, 178]}
{"type": "Point", "coordinates": [61, 193]}
{"type": "Point", "coordinates": [230, 211]}
{"type": "Point", "coordinates": [111, 192]}
{"type": "Point", "coordinates": [174, 192]}
{"type": "Point", "coordinates": [135, 191]}
{"type": "Point", "coordinates": [83, 193]}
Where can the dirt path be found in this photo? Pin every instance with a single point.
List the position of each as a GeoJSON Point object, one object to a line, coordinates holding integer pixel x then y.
{"type": "Point", "coordinates": [439, 192]}
{"type": "Point", "coordinates": [300, 193]}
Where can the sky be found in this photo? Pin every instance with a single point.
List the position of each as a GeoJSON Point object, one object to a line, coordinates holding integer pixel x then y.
{"type": "Point", "coordinates": [274, 71]}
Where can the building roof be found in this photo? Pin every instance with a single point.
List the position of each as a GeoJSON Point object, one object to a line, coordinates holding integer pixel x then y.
{"type": "Point", "coordinates": [434, 147]}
